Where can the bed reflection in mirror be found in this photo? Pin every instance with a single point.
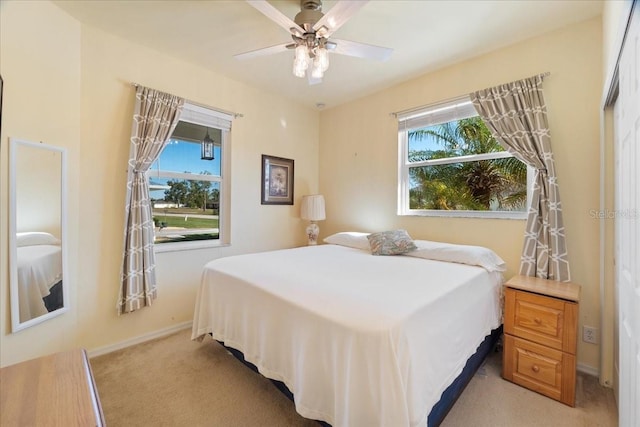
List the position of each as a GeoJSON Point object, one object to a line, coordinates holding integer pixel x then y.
{"type": "Point", "coordinates": [37, 195]}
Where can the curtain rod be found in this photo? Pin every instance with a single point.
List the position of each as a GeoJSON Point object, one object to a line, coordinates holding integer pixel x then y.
{"type": "Point", "coordinates": [231, 113]}
{"type": "Point", "coordinates": [446, 101]}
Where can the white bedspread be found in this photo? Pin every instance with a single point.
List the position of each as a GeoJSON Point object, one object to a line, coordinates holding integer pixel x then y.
{"type": "Point", "coordinates": [360, 340]}
{"type": "Point", "coordinates": [39, 268]}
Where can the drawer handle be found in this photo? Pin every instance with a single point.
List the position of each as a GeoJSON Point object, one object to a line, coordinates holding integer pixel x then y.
{"type": "Point", "coordinates": [537, 320]}
{"type": "Point", "coordinates": [535, 368]}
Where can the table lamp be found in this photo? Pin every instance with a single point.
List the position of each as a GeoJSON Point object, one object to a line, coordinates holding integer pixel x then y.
{"type": "Point", "coordinates": [312, 209]}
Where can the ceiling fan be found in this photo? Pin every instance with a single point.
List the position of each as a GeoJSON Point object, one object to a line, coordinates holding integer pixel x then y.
{"type": "Point", "coordinates": [310, 30]}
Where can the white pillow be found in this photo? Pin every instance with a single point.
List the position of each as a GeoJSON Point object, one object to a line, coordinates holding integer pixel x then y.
{"type": "Point", "coordinates": [463, 254]}
{"type": "Point", "coordinates": [350, 239]}
{"type": "Point", "coordinates": [32, 238]}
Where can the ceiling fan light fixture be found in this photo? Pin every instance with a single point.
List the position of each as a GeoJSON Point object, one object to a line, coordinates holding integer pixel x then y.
{"type": "Point", "coordinates": [301, 61]}
{"type": "Point", "coordinates": [298, 71]}
{"type": "Point", "coordinates": [310, 30]}
{"type": "Point", "coordinates": [302, 54]}
{"type": "Point", "coordinates": [322, 56]}
{"type": "Point", "coordinates": [316, 71]}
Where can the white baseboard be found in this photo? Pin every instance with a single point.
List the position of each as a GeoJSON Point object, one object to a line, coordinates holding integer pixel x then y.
{"type": "Point", "coordinates": [588, 369]}
{"type": "Point", "coordinates": [139, 339]}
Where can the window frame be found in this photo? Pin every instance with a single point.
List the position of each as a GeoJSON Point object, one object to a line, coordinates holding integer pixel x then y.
{"type": "Point", "coordinates": [443, 112]}
{"type": "Point", "coordinates": [211, 118]}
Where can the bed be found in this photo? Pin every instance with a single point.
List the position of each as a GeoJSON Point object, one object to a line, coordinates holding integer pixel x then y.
{"type": "Point", "coordinates": [357, 339]}
{"type": "Point", "coordinates": [39, 274]}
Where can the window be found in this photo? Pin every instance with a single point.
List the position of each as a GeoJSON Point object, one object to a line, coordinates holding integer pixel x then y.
{"type": "Point", "coordinates": [450, 165]}
{"type": "Point", "coordinates": [188, 182]}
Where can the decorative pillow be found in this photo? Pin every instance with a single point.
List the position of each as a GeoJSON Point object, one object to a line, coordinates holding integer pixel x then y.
{"type": "Point", "coordinates": [394, 242]}
{"type": "Point", "coordinates": [32, 238]}
{"type": "Point", "coordinates": [350, 239]}
{"type": "Point", "coordinates": [463, 254]}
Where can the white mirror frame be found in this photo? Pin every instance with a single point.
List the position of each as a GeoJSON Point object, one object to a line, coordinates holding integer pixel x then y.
{"type": "Point", "coordinates": [14, 145]}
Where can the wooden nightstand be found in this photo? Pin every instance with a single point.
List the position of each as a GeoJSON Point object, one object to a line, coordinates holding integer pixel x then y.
{"type": "Point", "coordinates": [540, 336]}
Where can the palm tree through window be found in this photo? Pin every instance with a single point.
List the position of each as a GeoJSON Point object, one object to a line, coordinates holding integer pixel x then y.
{"type": "Point", "coordinates": [450, 166]}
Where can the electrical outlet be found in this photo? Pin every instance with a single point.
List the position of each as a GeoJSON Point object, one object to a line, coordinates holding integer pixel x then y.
{"type": "Point", "coordinates": [589, 334]}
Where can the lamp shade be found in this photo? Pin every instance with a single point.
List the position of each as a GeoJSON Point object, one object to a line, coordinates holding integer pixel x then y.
{"type": "Point", "coordinates": [312, 207]}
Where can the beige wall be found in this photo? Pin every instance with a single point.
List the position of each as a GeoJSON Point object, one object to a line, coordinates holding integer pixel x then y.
{"type": "Point", "coordinates": [40, 66]}
{"type": "Point", "coordinates": [358, 154]}
{"type": "Point", "coordinates": [69, 85]}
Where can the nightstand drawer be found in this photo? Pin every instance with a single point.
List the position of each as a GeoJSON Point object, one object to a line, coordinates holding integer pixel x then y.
{"type": "Point", "coordinates": [539, 368]}
{"type": "Point", "coordinates": [541, 319]}
{"type": "Point", "coordinates": [540, 336]}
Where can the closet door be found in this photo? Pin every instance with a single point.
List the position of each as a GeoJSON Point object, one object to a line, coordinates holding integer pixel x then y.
{"type": "Point", "coordinates": [627, 148]}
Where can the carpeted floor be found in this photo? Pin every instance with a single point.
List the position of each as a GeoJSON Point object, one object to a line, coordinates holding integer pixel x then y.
{"type": "Point", "coordinates": [490, 401]}
{"type": "Point", "coordinates": [173, 381]}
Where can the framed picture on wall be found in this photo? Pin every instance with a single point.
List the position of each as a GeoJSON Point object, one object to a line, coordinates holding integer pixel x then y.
{"type": "Point", "coordinates": [277, 181]}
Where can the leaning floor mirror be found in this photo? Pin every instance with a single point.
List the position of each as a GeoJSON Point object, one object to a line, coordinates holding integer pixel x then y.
{"type": "Point", "coordinates": [37, 244]}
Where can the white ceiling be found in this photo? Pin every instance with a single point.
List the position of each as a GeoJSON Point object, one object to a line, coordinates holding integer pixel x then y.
{"type": "Point", "coordinates": [425, 35]}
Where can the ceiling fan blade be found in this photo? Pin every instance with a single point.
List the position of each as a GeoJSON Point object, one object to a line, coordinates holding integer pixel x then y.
{"type": "Point", "coordinates": [264, 51]}
{"type": "Point", "coordinates": [276, 16]}
{"type": "Point", "coordinates": [362, 50]}
{"type": "Point", "coordinates": [337, 16]}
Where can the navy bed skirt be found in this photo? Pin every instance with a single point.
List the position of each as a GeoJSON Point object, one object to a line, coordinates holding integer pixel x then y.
{"type": "Point", "coordinates": [449, 396]}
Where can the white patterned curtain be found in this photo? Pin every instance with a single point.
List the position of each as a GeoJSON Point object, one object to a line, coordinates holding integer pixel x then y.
{"type": "Point", "coordinates": [517, 116]}
{"type": "Point", "coordinates": [154, 119]}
